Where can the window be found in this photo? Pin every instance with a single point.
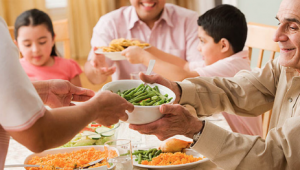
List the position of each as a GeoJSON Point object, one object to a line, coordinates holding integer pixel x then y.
{"type": "Point", "coordinates": [56, 3]}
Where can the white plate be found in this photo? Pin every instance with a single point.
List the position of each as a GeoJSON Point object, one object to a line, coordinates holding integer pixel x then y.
{"type": "Point", "coordinates": [174, 167]}
{"type": "Point", "coordinates": [71, 149]}
{"type": "Point", "coordinates": [113, 55]}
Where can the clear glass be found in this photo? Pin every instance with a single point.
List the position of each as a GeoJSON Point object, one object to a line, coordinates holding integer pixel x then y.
{"type": "Point", "coordinates": [124, 161]}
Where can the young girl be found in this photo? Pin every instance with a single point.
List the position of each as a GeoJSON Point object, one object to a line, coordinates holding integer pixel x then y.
{"type": "Point", "coordinates": [35, 37]}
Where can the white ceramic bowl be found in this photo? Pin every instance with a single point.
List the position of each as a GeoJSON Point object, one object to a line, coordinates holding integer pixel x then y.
{"type": "Point", "coordinates": [140, 114]}
{"type": "Point", "coordinates": [69, 150]}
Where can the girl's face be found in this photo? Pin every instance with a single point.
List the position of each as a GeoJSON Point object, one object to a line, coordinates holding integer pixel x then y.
{"type": "Point", "coordinates": [35, 44]}
{"type": "Point", "coordinates": [210, 51]}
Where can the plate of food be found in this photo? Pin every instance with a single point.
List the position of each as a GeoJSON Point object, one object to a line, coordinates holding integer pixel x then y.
{"type": "Point", "coordinates": [172, 154]}
{"type": "Point", "coordinates": [116, 46]}
{"type": "Point", "coordinates": [93, 134]}
{"type": "Point", "coordinates": [73, 158]}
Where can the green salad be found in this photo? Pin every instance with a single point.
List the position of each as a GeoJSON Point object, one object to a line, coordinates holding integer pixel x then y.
{"type": "Point", "coordinates": [93, 134]}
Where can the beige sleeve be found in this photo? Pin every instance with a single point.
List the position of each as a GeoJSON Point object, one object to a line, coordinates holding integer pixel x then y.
{"type": "Point", "coordinates": [229, 150]}
{"type": "Point", "coordinates": [249, 93]}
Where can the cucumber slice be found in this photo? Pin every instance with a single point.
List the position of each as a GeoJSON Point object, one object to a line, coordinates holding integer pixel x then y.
{"type": "Point", "coordinates": [105, 131]}
{"type": "Point", "coordinates": [95, 137]}
{"type": "Point", "coordinates": [87, 133]}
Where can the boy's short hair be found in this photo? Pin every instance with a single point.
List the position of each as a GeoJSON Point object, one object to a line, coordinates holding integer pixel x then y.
{"type": "Point", "coordinates": [225, 21]}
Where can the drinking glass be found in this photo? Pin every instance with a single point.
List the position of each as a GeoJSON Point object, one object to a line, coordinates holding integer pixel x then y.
{"type": "Point", "coordinates": [124, 160]}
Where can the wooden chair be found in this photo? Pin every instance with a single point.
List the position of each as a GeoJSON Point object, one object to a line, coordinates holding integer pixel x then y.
{"type": "Point", "coordinates": [261, 37]}
{"type": "Point", "coordinates": [61, 30]}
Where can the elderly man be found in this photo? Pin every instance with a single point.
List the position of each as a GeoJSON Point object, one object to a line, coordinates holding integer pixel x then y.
{"type": "Point", "coordinates": [249, 94]}
{"type": "Point", "coordinates": [167, 27]}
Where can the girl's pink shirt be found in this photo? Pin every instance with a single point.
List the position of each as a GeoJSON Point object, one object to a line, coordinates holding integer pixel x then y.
{"type": "Point", "coordinates": [64, 69]}
{"type": "Point", "coordinates": [228, 67]}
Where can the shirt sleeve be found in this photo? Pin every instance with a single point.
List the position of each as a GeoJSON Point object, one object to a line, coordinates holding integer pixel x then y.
{"type": "Point", "coordinates": [280, 150]}
{"type": "Point", "coordinates": [102, 35]}
{"type": "Point", "coordinates": [235, 95]}
{"type": "Point", "coordinates": [20, 104]}
{"type": "Point", "coordinates": [75, 68]}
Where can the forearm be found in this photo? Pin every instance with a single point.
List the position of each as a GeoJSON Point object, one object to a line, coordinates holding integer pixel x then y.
{"type": "Point", "coordinates": [169, 58]}
{"type": "Point", "coordinates": [93, 75]}
{"type": "Point", "coordinates": [167, 69]}
{"type": "Point", "coordinates": [278, 151]}
{"type": "Point", "coordinates": [55, 128]}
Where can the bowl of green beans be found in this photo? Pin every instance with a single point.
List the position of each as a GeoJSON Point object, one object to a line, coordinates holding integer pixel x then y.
{"type": "Point", "coordinates": [146, 99]}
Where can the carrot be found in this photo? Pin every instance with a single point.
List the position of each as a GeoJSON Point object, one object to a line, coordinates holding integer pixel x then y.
{"type": "Point", "coordinates": [177, 158]}
{"type": "Point", "coordinates": [72, 160]}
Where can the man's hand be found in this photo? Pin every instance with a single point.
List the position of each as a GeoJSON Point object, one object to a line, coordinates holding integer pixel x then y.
{"type": "Point", "coordinates": [134, 54]}
{"type": "Point", "coordinates": [99, 64]}
{"type": "Point", "coordinates": [165, 82]}
{"type": "Point", "coordinates": [58, 93]}
{"type": "Point", "coordinates": [176, 121]}
{"type": "Point", "coordinates": [109, 108]}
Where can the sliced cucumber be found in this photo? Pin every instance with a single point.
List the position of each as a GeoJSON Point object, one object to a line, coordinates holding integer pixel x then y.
{"type": "Point", "coordinates": [95, 137]}
{"type": "Point", "coordinates": [105, 131]}
{"type": "Point", "coordinates": [87, 133]}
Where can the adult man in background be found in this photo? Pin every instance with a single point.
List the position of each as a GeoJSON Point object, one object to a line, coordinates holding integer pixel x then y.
{"type": "Point", "coordinates": [249, 93]}
{"type": "Point", "coordinates": [167, 27]}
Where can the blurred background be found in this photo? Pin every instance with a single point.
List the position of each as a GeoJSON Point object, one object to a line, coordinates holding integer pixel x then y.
{"type": "Point", "coordinates": [83, 15]}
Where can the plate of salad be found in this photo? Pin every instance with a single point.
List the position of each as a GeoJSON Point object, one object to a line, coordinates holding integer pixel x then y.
{"type": "Point", "coordinates": [93, 134]}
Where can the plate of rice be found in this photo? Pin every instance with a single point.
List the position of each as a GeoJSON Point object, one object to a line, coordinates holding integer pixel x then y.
{"type": "Point", "coordinates": [71, 158]}
{"type": "Point", "coordinates": [187, 159]}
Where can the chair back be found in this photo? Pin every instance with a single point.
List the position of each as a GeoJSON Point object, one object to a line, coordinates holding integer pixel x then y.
{"type": "Point", "coordinates": [261, 37]}
{"type": "Point", "coordinates": [61, 30]}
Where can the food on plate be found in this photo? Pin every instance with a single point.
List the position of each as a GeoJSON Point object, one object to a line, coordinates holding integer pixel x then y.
{"type": "Point", "coordinates": [68, 161]}
{"type": "Point", "coordinates": [117, 45]}
{"type": "Point", "coordinates": [93, 134]}
{"type": "Point", "coordinates": [165, 159]}
{"type": "Point", "coordinates": [145, 96]}
{"type": "Point", "coordinates": [146, 154]}
{"type": "Point", "coordinates": [174, 145]}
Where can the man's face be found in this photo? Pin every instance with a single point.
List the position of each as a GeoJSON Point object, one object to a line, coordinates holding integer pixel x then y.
{"type": "Point", "coordinates": [288, 33]}
{"type": "Point", "coordinates": [148, 10]}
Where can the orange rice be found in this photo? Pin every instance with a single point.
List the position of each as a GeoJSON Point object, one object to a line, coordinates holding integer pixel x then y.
{"type": "Point", "coordinates": [177, 158]}
{"type": "Point", "coordinates": [72, 160]}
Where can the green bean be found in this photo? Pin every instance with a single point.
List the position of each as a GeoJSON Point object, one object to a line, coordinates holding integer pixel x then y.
{"type": "Point", "coordinates": [142, 97]}
{"type": "Point", "coordinates": [157, 153]}
{"type": "Point", "coordinates": [140, 159]}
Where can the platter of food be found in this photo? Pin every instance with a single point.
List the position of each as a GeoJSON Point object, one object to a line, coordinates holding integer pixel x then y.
{"type": "Point", "coordinates": [172, 154]}
{"type": "Point", "coordinates": [71, 158]}
{"type": "Point", "coordinates": [116, 46]}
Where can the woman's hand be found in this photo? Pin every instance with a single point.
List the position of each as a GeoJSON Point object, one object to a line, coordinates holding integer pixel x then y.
{"type": "Point", "coordinates": [109, 108]}
{"type": "Point", "coordinates": [58, 93]}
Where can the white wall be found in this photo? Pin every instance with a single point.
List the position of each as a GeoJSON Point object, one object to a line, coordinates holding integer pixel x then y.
{"type": "Point", "coordinates": [260, 11]}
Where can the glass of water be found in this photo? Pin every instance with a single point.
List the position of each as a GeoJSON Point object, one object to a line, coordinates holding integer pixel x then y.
{"type": "Point", "coordinates": [124, 160]}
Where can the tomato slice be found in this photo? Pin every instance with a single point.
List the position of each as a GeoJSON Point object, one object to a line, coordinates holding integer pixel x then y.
{"type": "Point", "coordinates": [95, 125]}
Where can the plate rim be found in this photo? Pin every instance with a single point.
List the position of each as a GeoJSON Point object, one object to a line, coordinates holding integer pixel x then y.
{"type": "Point", "coordinates": [172, 166]}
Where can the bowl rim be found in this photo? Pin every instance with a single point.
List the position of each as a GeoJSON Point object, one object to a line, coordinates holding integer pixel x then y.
{"type": "Point", "coordinates": [126, 80]}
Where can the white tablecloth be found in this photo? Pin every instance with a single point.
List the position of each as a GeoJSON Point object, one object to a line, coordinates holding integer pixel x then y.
{"type": "Point", "coordinates": [17, 153]}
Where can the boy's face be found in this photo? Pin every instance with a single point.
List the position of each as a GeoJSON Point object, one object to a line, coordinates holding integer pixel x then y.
{"type": "Point", "coordinates": [148, 10]}
{"type": "Point", "coordinates": [210, 51]}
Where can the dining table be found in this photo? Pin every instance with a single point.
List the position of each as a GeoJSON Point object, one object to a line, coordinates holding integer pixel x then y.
{"type": "Point", "coordinates": [17, 152]}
